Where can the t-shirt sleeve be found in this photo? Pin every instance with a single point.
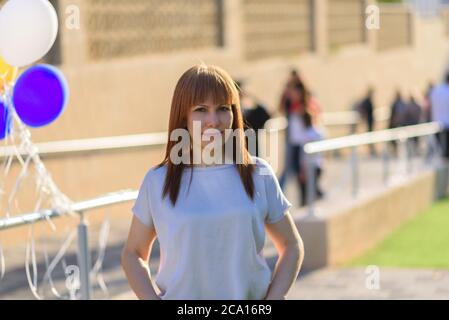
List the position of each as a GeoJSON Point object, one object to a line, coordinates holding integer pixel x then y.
{"type": "Point", "coordinates": [141, 208]}
{"type": "Point", "coordinates": [277, 203]}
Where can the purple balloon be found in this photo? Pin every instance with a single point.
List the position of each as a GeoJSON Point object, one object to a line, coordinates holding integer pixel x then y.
{"type": "Point", "coordinates": [40, 95]}
{"type": "Point", "coordinates": [5, 121]}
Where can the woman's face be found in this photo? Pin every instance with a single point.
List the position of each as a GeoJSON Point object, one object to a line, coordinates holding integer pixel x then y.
{"type": "Point", "coordinates": [211, 120]}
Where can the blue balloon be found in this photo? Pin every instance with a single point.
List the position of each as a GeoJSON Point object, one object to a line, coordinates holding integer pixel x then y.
{"type": "Point", "coordinates": [5, 120]}
{"type": "Point", "coordinates": [40, 95]}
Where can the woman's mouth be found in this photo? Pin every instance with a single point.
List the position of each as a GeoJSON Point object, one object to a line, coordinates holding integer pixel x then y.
{"type": "Point", "coordinates": [214, 133]}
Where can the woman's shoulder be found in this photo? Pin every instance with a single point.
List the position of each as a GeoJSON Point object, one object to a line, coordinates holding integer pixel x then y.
{"type": "Point", "coordinates": [258, 162]}
{"type": "Point", "coordinates": [263, 167]}
{"type": "Point", "coordinates": [156, 173]}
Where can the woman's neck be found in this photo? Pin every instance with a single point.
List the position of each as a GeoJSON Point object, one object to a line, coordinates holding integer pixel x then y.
{"type": "Point", "coordinates": [213, 160]}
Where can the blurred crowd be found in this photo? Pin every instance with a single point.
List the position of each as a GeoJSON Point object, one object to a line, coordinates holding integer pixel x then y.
{"type": "Point", "coordinates": [303, 113]}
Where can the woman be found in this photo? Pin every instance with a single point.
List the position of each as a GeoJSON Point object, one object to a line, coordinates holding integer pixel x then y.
{"type": "Point", "coordinates": [210, 219]}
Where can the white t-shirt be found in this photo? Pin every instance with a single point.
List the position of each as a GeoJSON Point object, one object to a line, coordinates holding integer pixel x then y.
{"type": "Point", "coordinates": [440, 105]}
{"type": "Point", "coordinates": [211, 242]}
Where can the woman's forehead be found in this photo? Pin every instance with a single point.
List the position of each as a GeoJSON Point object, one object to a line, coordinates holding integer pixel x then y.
{"type": "Point", "coordinates": [213, 100]}
{"type": "Point", "coordinates": [210, 102]}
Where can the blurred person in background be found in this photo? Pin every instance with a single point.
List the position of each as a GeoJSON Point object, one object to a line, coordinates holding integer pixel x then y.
{"type": "Point", "coordinates": [397, 110]}
{"type": "Point", "coordinates": [296, 99]}
{"type": "Point", "coordinates": [285, 109]}
{"type": "Point", "coordinates": [309, 132]}
{"type": "Point", "coordinates": [366, 111]}
{"type": "Point", "coordinates": [439, 99]}
{"type": "Point", "coordinates": [301, 103]}
{"type": "Point", "coordinates": [255, 114]}
{"type": "Point", "coordinates": [412, 116]}
{"type": "Point", "coordinates": [427, 105]}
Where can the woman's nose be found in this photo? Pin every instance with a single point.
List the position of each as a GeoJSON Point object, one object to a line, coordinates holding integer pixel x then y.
{"type": "Point", "coordinates": [212, 119]}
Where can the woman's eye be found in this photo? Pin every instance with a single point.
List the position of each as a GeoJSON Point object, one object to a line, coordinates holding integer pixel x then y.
{"type": "Point", "coordinates": [200, 109]}
{"type": "Point", "coordinates": [225, 108]}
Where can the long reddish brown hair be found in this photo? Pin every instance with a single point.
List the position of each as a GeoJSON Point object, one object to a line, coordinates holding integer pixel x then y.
{"type": "Point", "coordinates": [195, 86]}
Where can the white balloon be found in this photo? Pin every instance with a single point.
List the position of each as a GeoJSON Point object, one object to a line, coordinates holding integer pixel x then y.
{"type": "Point", "coordinates": [28, 30]}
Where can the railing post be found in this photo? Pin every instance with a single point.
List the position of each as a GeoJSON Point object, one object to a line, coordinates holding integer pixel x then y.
{"type": "Point", "coordinates": [310, 175]}
{"type": "Point", "coordinates": [386, 163]}
{"type": "Point", "coordinates": [355, 172]}
{"type": "Point", "coordinates": [84, 258]}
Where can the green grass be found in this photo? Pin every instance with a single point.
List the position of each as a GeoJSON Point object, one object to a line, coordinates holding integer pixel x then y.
{"type": "Point", "coordinates": [420, 243]}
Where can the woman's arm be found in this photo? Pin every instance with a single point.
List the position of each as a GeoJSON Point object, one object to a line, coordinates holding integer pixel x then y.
{"type": "Point", "coordinates": [134, 256]}
{"type": "Point", "coordinates": [290, 248]}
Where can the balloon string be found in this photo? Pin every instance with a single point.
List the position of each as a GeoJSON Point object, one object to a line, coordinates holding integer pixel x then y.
{"type": "Point", "coordinates": [34, 260]}
{"type": "Point", "coordinates": [59, 255]}
{"type": "Point", "coordinates": [38, 206]}
{"type": "Point", "coordinates": [58, 200]}
{"type": "Point", "coordinates": [44, 181]}
{"type": "Point", "coordinates": [26, 153]}
{"type": "Point", "coordinates": [6, 163]}
{"type": "Point", "coordinates": [2, 263]}
{"type": "Point", "coordinates": [50, 279]}
{"type": "Point", "coordinates": [17, 183]}
{"type": "Point", "coordinates": [31, 254]}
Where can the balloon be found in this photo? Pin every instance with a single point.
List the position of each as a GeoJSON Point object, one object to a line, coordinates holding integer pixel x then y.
{"type": "Point", "coordinates": [7, 74]}
{"type": "Point", "coordinates": [5, 120]}
{"type": "Point", "coordinates": [28, 29]}
{"type": "Point", "coordinates": [40, 95]}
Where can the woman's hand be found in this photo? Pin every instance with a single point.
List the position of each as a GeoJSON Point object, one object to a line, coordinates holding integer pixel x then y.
{"type": "Point", "coordinates": [268, 297]}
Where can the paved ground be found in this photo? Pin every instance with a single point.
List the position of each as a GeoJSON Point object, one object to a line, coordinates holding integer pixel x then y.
{"type": "Point", "coordinates": [321, 284]}
{"type": "Point", "coordinates": [357, 283]}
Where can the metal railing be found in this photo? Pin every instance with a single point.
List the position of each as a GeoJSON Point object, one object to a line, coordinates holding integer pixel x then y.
{"type": "Point", "coordinates": [65, 147]}
{"type": "Point", "coordinates": [332, 119]}
{"type": "Point", "coordinates": [79, 208]}
{"type": "Point", "coordinates": [92, 145]}
{"type": "Point", "coordinates": [402, 135]}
